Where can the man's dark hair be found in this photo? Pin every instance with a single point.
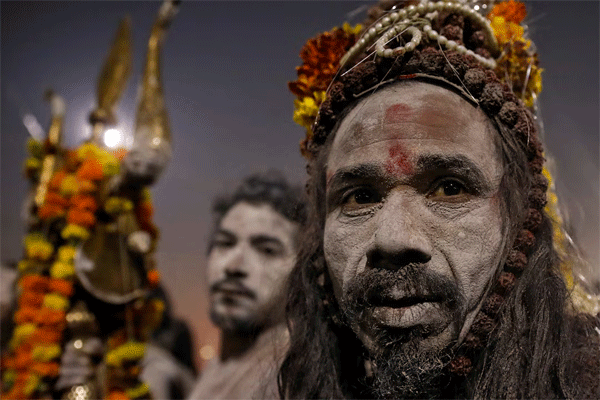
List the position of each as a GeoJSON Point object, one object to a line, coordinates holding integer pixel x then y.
{"type": "Point", "coordinates": [526, 342]}
{"type": "Point", "coordinates": [267, 188]}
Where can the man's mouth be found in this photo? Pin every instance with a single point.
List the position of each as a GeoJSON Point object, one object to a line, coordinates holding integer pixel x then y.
{"type": "Point", "coordinates": [406, 301]}
{"type": "Point", "coordinates": [232, 289]}
{"type": "Point", "coordinates": [405, 311]}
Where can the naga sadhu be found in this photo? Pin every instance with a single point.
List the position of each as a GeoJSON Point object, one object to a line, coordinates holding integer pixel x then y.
{"type": "Point", "coordinates": [434, 263]}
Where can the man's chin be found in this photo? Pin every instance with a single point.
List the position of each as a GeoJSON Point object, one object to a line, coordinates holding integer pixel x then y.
{"type": "Point", "coordinates": [232, 322]}
{"type": "Point", "coordinates": [378, 334]}
{"type": "Point", "coordinates": [404, 369]}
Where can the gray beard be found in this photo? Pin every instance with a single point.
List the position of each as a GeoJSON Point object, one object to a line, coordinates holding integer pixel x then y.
{"type": "Point", "coordinates": [400, 368]}
{"type": "Point", "coordinates": [407, 373]}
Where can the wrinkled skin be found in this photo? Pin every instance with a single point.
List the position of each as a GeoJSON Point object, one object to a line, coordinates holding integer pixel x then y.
{"type": "Point", "coordinates": [413, 179]}
{"type": "Point", "coordinates": [251, 256]}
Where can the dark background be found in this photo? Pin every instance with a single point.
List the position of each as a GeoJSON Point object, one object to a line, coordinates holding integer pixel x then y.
{"type": "Point", "coordinates": [225, 71]}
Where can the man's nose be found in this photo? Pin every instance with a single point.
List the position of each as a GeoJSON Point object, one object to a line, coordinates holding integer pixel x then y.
{"type": "Point", "coordinates": [235, 265]}
{"type": "Point", "coordinates": [400, 237]}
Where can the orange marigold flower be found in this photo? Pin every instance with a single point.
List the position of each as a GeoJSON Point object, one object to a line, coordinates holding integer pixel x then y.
{"type": "Point", "coordinates": [31, 299]}
{"type": "Point", "coordinates": [84, 202]}
{"type": "Point", "coordinates": [55, 198]}
{"type": "Point", "coordinates": [46, 335]}
{"type": "Point", "coordinates": [153, 277]}
{"type": "Point", "coordinates": [81, 217]}
{"type": "Point", "coordinates": [56, 180]}
{"type": "Point", "coordinates": [61, 286]}
{"type": "Point", "coordinates": [34, 283]}
{"type": "Point", "coordinates": [49, 369]}
{"type": "Point", "coordinates": [86, 186]}
{"type": "Point", "coordinates": [22, 359]}
{"type": "Point", "coordinates": [25, 314]}
{"type": "Point", "coordinates": [321, 56]}
{"type": "Point", "coordinates": [145, 210]}
{"type": "Point", "coordinates": [90, 169]}
{"type": "Point", "coordinates": [71, 160]}
{"type": "Point", "coordinates": [7, 362]}
{"type": "Point", "coordinates": [117, 395]}
{"type": "Point", "coordinates": [48, 317]}
{"type": "Point", "coordinates": [50, 211]}
{"type": "Point", "coordinates": [511, 10]}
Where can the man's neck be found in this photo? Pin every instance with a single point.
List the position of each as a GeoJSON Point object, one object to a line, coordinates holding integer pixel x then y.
{"type": "Point", "coordinates": [235, 344]}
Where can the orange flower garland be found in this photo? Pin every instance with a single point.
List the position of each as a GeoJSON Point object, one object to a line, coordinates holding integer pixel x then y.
{"type": "Point", "coordinates": [321, 59]}
{"type": "Point", "coordinates": [47, 280]}
{"type": "Point", "coordinates": [518, 65]}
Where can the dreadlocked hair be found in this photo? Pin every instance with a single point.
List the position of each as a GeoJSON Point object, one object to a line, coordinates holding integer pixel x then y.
{"type": "Point", "coordinates": [526, 341]}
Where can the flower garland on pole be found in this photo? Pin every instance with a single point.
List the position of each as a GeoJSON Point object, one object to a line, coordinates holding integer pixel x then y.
{"type": "Point", "coordinates": [47, 273]}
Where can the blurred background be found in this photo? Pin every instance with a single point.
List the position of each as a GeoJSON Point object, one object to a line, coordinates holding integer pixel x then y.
{"type": "Point", "coordinates": [225, 71]}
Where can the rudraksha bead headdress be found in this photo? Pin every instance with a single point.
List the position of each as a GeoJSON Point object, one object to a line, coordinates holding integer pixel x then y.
{"type": "Point", "coordinates": [475, 48]}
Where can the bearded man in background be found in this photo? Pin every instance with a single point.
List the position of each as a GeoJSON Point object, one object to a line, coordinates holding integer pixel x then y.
{"type": "Point", "coordinates": [251, 254]}
{"type": "Point", "coordinates": [429, 268]}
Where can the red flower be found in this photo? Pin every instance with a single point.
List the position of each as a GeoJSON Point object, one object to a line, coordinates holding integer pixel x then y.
{"type": "Point", "coordinates": [81, 217]}
{"type": "Point", "coordinates": [56, 180]}
{"type": "Point", "coordinates": [511, 11]}
{"type": "Point", "coordinates": [91, 169]}
{"type": "Point", "coordinates": [321, 56]}
{"type": "Point", "coordinates": [84, 202]}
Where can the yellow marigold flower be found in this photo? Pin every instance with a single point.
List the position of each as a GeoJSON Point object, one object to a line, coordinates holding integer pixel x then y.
{"type": "Point", "coordinates": [138, 391]}
{"type": "Point", "coordinates": [34, 237]}
{"type": "Point", "coordinates": [56, 301]}
{"type": "Point", "coordinates": [146, 194]}
{"type": "Point", "coordinates": [31, 384]}
{"type": "Point", "coordinates": [33, 163]}
{"type": "Point", "coordinates": [534, 86]}
{"type": "Point", "coordinates": [69, 185]}
{"type": "Point", "coordinates": [20, 333]}
{"type": "Point", "coordinates": [306, 110]}
{"type": "Point", "coordinates": [62, 270]}
{"type": "Point", "coordinates": [46, 353]}
{"type": "Point", "coordinates": [35, 148]}
{"type": "Point", "coordinates": [352, 30]}
{"type": "Point", "coordinates": [114, 205]}
{"type": "Point", "coordinates": [506, 31]}
{"type": "Point", "coordinates": [23, 265]}
{"type": "Point", "coordinates": [110, 163]}
{"type": "Point", "coordinates": [111, 168]}
{"type": "Point", "coordinates": [66, 253]}
{"type": "Point", "coordinates": [39, 249]}
{"type": "Point", "coordinates": [8, 378]}
{"type": "Point", "coordinates": [88, 150]}
{"type": "Point", "coordinates": [129, 351]}
{"type": "Point", "coordinates": [76, 232]}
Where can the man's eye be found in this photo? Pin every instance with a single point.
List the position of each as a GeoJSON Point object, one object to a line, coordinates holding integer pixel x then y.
{"type": "Point", "coordinates": [360, 198]}
{"type": "Point", "coordinates": [449, 188]}
{"type": "Point", "coordinates": [269, 250]}
{"type": "Point", "coordinates": [221, 243]}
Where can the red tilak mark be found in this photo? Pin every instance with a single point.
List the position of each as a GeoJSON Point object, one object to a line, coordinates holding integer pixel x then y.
{"type": "Point", "coordinates": [398, 162]}
{"type": "Point", "coordinates": [397, 113]}
{"type": "Point", "coordinates": [408, 76]}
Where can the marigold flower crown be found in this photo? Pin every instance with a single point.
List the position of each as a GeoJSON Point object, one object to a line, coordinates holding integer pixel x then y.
{"type": "Point", "coordinates": [489, 60]}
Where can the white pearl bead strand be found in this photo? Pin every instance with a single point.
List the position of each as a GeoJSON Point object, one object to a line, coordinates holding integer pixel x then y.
{"type": "Point", "coordinates": [404, 20]}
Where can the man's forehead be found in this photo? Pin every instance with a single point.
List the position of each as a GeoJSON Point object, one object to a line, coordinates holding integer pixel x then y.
{"type": "Point", "coordinates": [398, 125]}
{"type": "Point", "coordinates": [257, 219]}
{"type": "Point", "coordinates": [395, 106]}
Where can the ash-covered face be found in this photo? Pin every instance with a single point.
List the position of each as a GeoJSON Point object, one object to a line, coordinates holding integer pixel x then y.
{"type": "Point", "coordinates": [413, 231]}
{"type": "Point", "coordinates": [251, 256]}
